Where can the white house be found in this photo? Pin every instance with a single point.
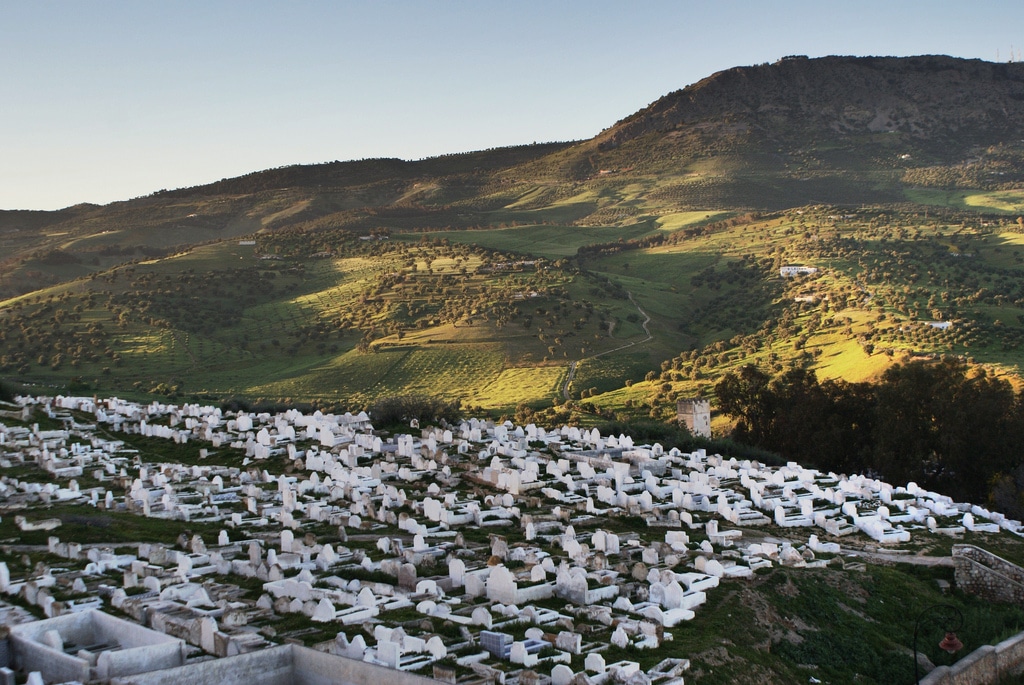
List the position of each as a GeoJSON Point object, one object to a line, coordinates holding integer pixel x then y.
{"type": "Point", "coordinates": [791, 271]}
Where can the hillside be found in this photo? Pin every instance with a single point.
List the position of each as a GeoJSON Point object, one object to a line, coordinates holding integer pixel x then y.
{"type": "Point", "coordinates": [527, 274]}
{"type": "Point", "coordinates": [836, 130]}
{"type": "Point", "coordinates": [831, 130]}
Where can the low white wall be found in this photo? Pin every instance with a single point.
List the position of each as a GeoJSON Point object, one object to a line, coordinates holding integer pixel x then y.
{"type": "Point", "coordinates": [140, 659]}
{"type": "Point", "coordinates": [318, 668]}
{"type": "Point", "coordinates": [267, 667]}
{"type": "Point", "coordinates": [138, 649]}
{"type": "Point", "coordinates": [54, 666]}
{"type": "Point", "coordinates": [283, 665]}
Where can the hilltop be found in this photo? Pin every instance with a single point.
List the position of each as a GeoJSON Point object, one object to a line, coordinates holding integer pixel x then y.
{"type": "Point", "coordinates": [928, 99]}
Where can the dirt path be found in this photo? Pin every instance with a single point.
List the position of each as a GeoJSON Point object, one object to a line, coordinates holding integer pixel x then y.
{"type": "Point", "coordinates": [184, 346]}
{"type": "Point", "coordinates": [574, 365]}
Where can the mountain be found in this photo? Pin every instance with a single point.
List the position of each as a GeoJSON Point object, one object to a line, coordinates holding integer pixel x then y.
{"type": "Point", "coordinates": [927, 99]}
{"type": "Point", "coordinates": [839, 130]}
{"type": "Point", "coordinates": [831, 130]}
{"type": "Point", "coordinates": [527, 273]}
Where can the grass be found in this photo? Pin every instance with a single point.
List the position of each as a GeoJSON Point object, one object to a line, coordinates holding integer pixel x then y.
{"type": "Point", "coordinates": [519, 384]}
{"type": "Point", "coordinates": [446, 371]}
{"type": "Point", "coordinates": [839, 626]}
{"type": "Point", "coordinates": [678, 220]}
{"type": "Point", "coordinates": [996, 201]}
{"type": "Point", "coordinates": [610, 372]}
{"type": "Point", "coordinates": [847, 360]}
{"type": "Point", "coordinates": [160, 450]}
{"type": "Point", "coordinates": [549, 241]}
{"type": "Point", "coordinates": [86, 525]}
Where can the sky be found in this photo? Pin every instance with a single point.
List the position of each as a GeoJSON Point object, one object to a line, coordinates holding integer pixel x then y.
{"type": "Point", "coordinates": [103, 101]}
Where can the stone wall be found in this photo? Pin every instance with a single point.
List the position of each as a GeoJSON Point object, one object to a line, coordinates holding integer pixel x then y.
{"type": "Point", "coordinates": [988, 576]}
{"type": "Point", "coordinates": [995, 579]}
{"type": "Point", "coordinates": [986, 665]}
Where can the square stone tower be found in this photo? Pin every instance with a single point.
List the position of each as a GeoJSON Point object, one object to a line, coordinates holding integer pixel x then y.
{"type": "Point", "coordinates": [696, 413]}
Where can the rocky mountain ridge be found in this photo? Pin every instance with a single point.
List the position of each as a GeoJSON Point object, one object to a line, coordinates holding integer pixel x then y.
{"type": "Point", "coordinates": [920, 96]}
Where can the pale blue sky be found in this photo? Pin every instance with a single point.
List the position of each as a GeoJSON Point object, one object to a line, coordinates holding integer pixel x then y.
{"type": "Point", "coordinates": [106, 100]}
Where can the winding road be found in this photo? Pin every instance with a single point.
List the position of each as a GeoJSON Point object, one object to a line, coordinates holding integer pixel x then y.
{"type": "Point", "coordinates": [572, 367]}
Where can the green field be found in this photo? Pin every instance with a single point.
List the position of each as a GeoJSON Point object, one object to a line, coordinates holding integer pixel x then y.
{"type": "Point", "coordinates": [678, 220]}
{"type": "Point", "coordinates": [552, 242]}
{"type": "Point", "coordinates": [996, 202]}
{"type": "Point", "coordinates": [513, 386]}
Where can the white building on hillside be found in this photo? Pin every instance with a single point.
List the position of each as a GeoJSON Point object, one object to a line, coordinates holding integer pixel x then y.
{"type": "Point", "coordinates": [791, 271]}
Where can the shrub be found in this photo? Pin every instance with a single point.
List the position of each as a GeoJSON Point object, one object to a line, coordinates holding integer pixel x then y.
{"type": "Point", "coordinates": [402, 409]}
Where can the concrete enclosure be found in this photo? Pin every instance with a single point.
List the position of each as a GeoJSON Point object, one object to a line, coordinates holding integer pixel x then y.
{"type": "Point", "coordinates": [283, 665]}
{"type": "Point", "coordinates": [92, 645]}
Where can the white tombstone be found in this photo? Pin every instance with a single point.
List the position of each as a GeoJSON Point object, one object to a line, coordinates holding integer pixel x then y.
{"type": "Point", "coordinates": [389, 653]}
{"type": "Point", "coordinates": [520, 655]}
{"type": "Point", "coordinates": [366, 598]}
{"type": "Point", "coordinates": [501, 585]}
{"type": "Point", "coordinates": [594, 663]}
{"type": "Point", "coordinates": [561, 675]}
{"type": "Point", "coordinates": [482, 617]}
{"type": "Point", "coordinates": [457, 572]}
{"type": "Point", "coordinates": [475, 585]}
{"type": "Point", "coordinates": [436, 648]}
{"type": "Point", "coordinates": [207, 634]}
{"type": "Point", "coordinates": [255, 554]}
{"type": "Point", "coordinates": [612, 544]}
{"type": "Point", "coordinates": [324, 611]}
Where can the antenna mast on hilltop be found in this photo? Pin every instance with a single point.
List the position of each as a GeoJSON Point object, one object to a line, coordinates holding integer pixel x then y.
{"type": "Point", "coordinates": [1011, 60]}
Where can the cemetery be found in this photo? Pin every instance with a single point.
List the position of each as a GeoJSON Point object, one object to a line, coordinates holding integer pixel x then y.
{"type": "Point", "coordinates": [314, 549]}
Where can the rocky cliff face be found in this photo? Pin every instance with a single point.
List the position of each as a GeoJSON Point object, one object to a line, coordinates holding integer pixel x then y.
{"type": "Point", "coordinates": [928, 97]}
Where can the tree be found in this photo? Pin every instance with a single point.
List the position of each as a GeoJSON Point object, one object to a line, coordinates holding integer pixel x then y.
{"type": "Point", "coordinates": [746, 397]}
{"type": "Point", "coordinates": [944, 428]}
